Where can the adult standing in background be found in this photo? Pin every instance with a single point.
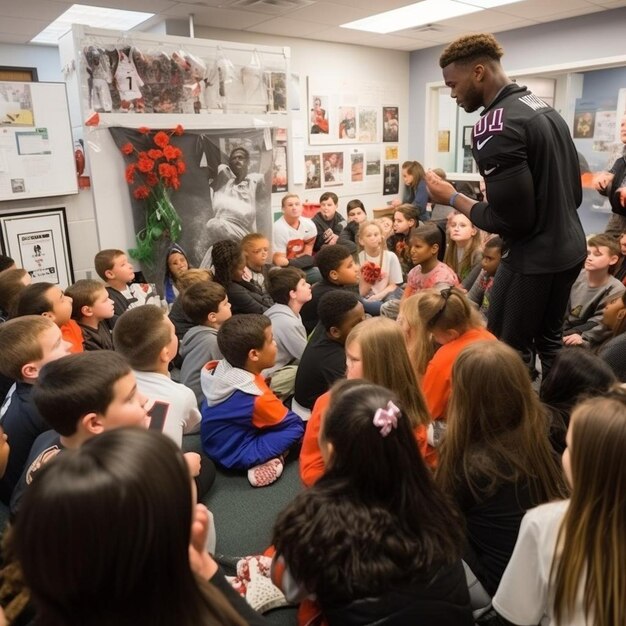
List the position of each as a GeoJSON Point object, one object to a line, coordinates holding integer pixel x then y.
{"type": "Point", "coordinates": [613, 185]}
{"type": "Point", "coordinates": [526, 155]}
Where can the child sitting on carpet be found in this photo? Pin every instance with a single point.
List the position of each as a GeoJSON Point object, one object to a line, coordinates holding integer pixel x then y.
{"type": "Point", "coordinates": [244, 425]}
{"type": "Point", "coordinates": [374, 537]}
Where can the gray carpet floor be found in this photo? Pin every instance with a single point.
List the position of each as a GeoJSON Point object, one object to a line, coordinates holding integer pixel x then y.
{"type": "Point", "coordinates": [244, 516]}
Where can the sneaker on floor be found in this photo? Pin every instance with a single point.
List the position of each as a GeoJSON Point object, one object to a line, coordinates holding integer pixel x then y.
{"type": "Point", "coordinates": [266, 473]}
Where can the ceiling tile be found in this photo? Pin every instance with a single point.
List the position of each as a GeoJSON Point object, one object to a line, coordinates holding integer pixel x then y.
{"type": "Point", "coordinates": [375, 6]}
{"type": "Point", "coordinates": [287, 26]}
{"type": "Point", "coordinates": [533, 9]}
{"type": "Point", "coordinates": [32, 9]}
{"type": "Point", "coordinates": [216, 17]}
{"type": "Point", "coordinates": [329, 13]}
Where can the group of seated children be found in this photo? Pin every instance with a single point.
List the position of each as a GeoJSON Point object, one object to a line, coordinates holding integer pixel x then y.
{"type": "Point", "coordinates": [433, 397]}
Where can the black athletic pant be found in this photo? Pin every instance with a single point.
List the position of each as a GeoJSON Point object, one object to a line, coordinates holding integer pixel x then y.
{"type": "Point", "coordinates": [527, 311]}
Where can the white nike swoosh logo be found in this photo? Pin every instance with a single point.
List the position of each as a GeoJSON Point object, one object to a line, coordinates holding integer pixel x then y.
{"type": "Point", "coordinates": [480, 144]}
{"type": "Point", "coordinates": [490, 170]}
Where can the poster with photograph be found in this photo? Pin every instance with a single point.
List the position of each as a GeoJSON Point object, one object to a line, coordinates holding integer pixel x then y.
{"type": "Point", "coordinates": [584, 122]}
{"type": "Point", "coordinates": [332, 163]}
{"type": "Point", "coordinates": [357, 167]}
{"type": "Point", "coordinates": [225, 192]}
{"type": "Point", "coordinates": [318, 116]}
{"type": "Point", "coordinates": [443, 141]}
{"type": "Point", "coordinates": [605, 124]}
{"type": "Point", "coordinates": [346, 131]}
{"type": "Point", "coordinates": [16, 105]}
{"type": "Point", "coordinates": [277, 92]}
{"type": "Point", "coordinates": [313, 170]}
{"type": "Point", "coordinates": [279, 169]}
{"type": "Point", "coordinates": [391, 179]}
{"type": "Point", "coordinates": [391, 124]}
{"type": "Point", "coordinates": [38, 241]}
{"type": "Point", "coordinates": [372, 161]}
{"type": "Point", "coordinates": [368, 124]}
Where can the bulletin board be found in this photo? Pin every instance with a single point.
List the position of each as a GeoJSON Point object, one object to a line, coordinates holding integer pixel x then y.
{"type": "Point", "coordinates": [36, 149]}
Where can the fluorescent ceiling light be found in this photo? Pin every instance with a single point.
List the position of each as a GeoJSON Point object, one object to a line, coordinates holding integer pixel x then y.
{"type": "Point", "coordinates": [96, 17]}
{"type": "Point", "coordinates": [421, 13]}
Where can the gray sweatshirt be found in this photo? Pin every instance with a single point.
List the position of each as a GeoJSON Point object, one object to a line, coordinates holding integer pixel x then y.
{"type": "Point", "coordinates": [198, 347]}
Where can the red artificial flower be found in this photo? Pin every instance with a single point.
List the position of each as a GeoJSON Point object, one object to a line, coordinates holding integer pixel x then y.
{"type": "Point", "coordinates": [161, 139]}
{"type": "Point", "coordinates": [145, 165]}
{"type": "Point", "coordinates": [166, 170]}
{"type": "Point", "coordinates": [161, 165]}
{"type": "Point", "coordinates": [141, 192]}
{"type": "Point", "coordinates": [370, 272]}
{"type": "Point", "coordinates": [170, 152]}
{"type": "Point", "coordinates": [130, 173]}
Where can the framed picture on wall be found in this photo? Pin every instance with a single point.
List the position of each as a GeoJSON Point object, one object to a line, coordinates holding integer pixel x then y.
{"type": "Point", "coordinates": [467, 136]}
{"type": "Point", "coordinates": [38, 241]}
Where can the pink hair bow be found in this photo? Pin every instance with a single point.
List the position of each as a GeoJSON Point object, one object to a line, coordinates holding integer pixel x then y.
{"type": "Point", "coordinates": [386, 418]}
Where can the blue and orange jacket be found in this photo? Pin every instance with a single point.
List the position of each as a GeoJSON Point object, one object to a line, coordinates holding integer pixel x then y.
{"type": "Point", "coordinates": [243, 423]}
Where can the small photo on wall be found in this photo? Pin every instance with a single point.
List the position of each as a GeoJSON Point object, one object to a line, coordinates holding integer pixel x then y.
{"type": "Point", "coordinates": [372, 161]}
{"type": "Point", "coordinates": [391, 179]}
{"type": "Point", "coordinates": [356, 167]}
{"type": "Point", "coordinates": [319, 115]}
{"type": "Point", "coordinates": [347, 124]}
{"type": "Point", "coordinates": [368, 124]}
{"type": "Point", "coordinates": [391, 153]}
{"type": "Point", "coordinates": [332, 163]}
{"type": "Point", "coordinates": [313, 171]}
{"type": "Point", "coordinates": [391, 124]}
{"type": "Point", "coordinates": [584, 122]}
{"type": "Point", "coordinates": [279, 169]}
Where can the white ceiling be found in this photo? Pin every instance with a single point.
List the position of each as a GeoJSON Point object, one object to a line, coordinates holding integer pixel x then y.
{"type": "Point", "coordinates": [21, 20]}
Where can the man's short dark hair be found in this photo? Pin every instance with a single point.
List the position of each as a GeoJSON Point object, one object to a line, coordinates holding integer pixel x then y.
{"type": "Point", "coordinates": [240, 334]}
{"type": "Point", "coordinates": [74, 385]}
{"type": "Point", "coordinates": [140, 334]}
{"type": "Point", "coordinates": [334, 306]}
{"type": "Point", "coordinates": [32, 300]}
{"type": "Point", "coordinates": [6, 262]}
{"type": "Point", "coordinates": [282, 280]}
{"type": "Point", "coordinates": [329, 258]}
{"type": "Point", "coordinates": [329, 195]}
{"type": "Point", "coordinates": [201, 299]}
{"type": "Point", "coordinates": [471, 48]}
{"type": "Point", "coordinates": [494, 242]}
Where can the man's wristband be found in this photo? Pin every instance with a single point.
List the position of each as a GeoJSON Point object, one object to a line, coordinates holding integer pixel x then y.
{"type": "Point", "coordinates": [453, 198]}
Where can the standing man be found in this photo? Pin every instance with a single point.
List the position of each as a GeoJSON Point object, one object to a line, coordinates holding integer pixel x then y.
{"type": "Point", "coordinates": [525, 153]}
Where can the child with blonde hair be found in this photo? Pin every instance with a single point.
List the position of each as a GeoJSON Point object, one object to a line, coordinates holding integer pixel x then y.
{"type": "Point", "coordinates": [464, 250]}
{"type": "Point", "coordinates": [375, 351]}
{"type": "Point", "coordinates": [419, 344]}
{"type": "Point", "coordinates": [381, 272]}
{"type": "Point", "coordinates": [569, 562]}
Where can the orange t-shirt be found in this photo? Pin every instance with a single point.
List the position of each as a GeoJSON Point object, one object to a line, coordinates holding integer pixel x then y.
{"type": "Point", "coordinates": [436, 383]}
{"type": "Point", "coordinates": [71, 332]}
{"type": "Point", "coordinates": [311, 462]}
